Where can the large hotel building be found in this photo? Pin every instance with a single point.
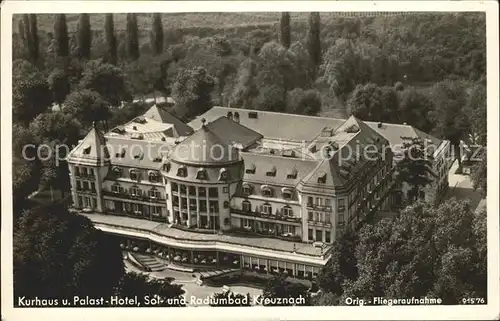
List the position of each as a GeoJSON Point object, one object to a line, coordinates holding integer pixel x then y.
{"type": "Point", "coordinates": [240, 188]}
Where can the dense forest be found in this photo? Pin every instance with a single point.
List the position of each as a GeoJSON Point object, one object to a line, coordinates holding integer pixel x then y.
{"type": "Point", "coordinates": [424, 69]}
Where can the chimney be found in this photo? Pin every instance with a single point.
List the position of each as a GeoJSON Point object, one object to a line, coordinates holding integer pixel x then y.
{"type": "Point", "coordinates": [405, 123]}
{"type": "Point", "coordinates": [379, 125]}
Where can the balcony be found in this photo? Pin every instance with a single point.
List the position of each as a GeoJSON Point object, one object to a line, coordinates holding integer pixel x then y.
{"type": "Point", "coordinates": [315, 207]}
{"type": "Point", "coordinates": [319, 223]}
{"type": "Point", "coordinates": [250, 230]}
{"type": "Point", "coordinates": [148, 199]}
{"type": "Point", "coordinates": [86, 191]}
{"type": "Point", "coordinates": [85, 175]}
{"type": "Point", "coordinates": [278, 216]}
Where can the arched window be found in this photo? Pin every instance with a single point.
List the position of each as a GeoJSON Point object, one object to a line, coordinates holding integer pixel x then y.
{"type": "Point", "coordinates": [267, 209]}
{"type": "Point", "coordinates": [267, 191]}
{"type": "Point", "coordinates": [246, 206]}
{"type": "Point", "coordinates": [223, 175]}
{"type": "Point", "coordinates": [134, 174]}
{"type": "Point", "coordinates": [182, 171]}
{"type": "Point", "coordinates": [287, 211]}
{"type": "Point", "coordinates": [226, 221]}
{"type": "Point", "coordinates": [287, 193]}
{"type": "Point", "coordinates": [202, 174]}
{"type": "Point", "coordinates": [230, 115]}
{"type": "Point", "coordinates": [154, 176]}
{"type": "Point", "coordinates": [247, 189]}
{"type": "Point", "coordinates": [226, 204]}
{"type": "Point", "coordinates": [135, 191]}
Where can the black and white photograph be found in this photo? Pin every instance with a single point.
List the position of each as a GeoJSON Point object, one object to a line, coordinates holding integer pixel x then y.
{"type": "Point", "coordinates": [308, 160]}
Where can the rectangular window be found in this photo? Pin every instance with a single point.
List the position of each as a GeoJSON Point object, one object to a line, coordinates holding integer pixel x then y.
{"type": "Point", "coordinates": [92, 186]}
{"type": "Point", "coordinates": [84, 171]}
{"type": "Point", "coordinates": [327, 237]}
{"type": "Point", "coordinates": [341, 204]}
{"type": "Point", "coordinates": [85, 185]}
{"type": "Point", "coordinates": [78, 185]}
{"type": "Point", "coordinates": [91, 172]}
{"type": "Point", "coordinates": [319, 201]}
{"type": "Point", "coordinates": [80, 201]}
{"type": "Point", "coordinates": [328, 202]}
{"type": "Point", "coordinates": [212, 192]}
{"type": "Point", "coordinates": [309, 201]}
{"type": "Point", "coordinates": [310, 235]}
{"type": "Point", "coordinates": [77, 171]}
{"type": "Point", "coordinates": [266, 208]}
{"type": "Point", "coordinates": [319, 235]}
{"type": "Point", "coordinates": [341, 219]}
{"type": "Point", "coordinates": [310, 216]}
{"type": "Point", "coordinates": [225, 189]}
{"type": "Point", "coordinates": [155, 210]}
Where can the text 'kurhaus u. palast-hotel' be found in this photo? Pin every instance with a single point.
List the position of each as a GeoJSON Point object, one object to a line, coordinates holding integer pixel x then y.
{"type": "Point", "coordinates": [241, 188]}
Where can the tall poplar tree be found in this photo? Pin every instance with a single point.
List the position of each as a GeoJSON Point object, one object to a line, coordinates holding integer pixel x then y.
{"type": "Point", "coordinates": [109, 28]}
{"type": "Point", "coordinates": [84, 36]}
{"type": "Point", "coordinates": [285, 38]}
{"type": "Point", "coordinates": [132, 37]}
{"type": "Point", "coordinates": [313, 42]}
{"type": "Point", "coordinates": [61, 35]}
{"type": "Point", "coordinates": [157, 35]}
{"type": "Point", "coordinates": [33, 26]}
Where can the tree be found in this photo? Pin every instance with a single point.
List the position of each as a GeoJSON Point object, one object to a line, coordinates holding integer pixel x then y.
{"type": "Point", "coordinates": [157, 34]}
{"type": "Point", "coordinates": [415, 167]}
{"type": "Point", "coordinates": [25, 32]}
{"type": "Point", "coordinates": [478, 174]}
{"type": "Point", "coordinates": [192, 92]}
{"type": "Point", "coordinates": [279, 287]}
{"type": "Point", "coordinates": [476, 111]}
{"type": "Point", "coordinates": [255, 39]}
{"type": "Point", "coordinates": [59, 85]}
{"type": "Point", "coordinates": [426, 251]}
{"type": "Point", "coordinates": [245, 89]}
{"type": "Point", "coordinates": [414, 108]}
{"type": "Point", "coordinates": [30, 94]}
{"type": "Point", "coordinates": [449, 116]}
{"type": "Point", "coordinates": [109, 28]}
{"type": "Point", "coordinates": [58, 254]}
{"type": "Point", "coordinates": [61, 35]}
{"type": "Point", "coordinates": [303, 102]}
{"type": "Point", "coordinates": [342, 265]}
{"type": "Point", "coordinates": [271, 98]}
{"type": "Point", "coordinates": [373, 103]}
{"type": "Point", "coordinates": [145, 75]}
{"type": "Point", "coordinates": [56, 126]}
{"type": "Point", "coordinates": [87, 106]}
{"type": "Point", "coordinates": [84, 36]}
{"type": "Point", "coordinates": [141, 285]}
{"type": "Point", "coordinates": [314, 41]}
{"type": "Point", "coordinates": [285, 38]}
{"type": "Point", "coordinates": [132, 37]}
{"type": "Point", "coordinates": [34, 53]}
{"type": "Point", "coordinates": [107, 80]}
{"type": "Point", "coordinates": [230, 299]}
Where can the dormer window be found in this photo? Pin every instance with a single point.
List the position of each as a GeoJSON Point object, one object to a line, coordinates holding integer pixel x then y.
{"type": "Point", "coordinates": [86, 149]}
{"type": "Point", "coordinates": [202, 174]}
{"type": "Point", "coordinates": [116, 189]}
{"type": "Point", "coordinates": [267, 191]}
{"type": "Point", "coordinates": [292, 174]}
{"type": "Point", "coordinates": [272, 171]}
{"type": "Point", "coordinates": [250, 169]}
{"type": "Point", "coordinates": [121, 153]}
{"type": "Point", "coordinates": [134, 175]}
{"type": "Point", "coordinates": [138, 155]}
{"type": "Point", "coordinates": [322, 177]}
{"type": "Point", "coordinates": [230, 115]}
{"type": "Point", "coordinates": [182, 171]}
{"type": "Point", "coordinates": [154, 177]}
{"type": "Point", "coordinates": [224, 175]}
{"type": "Point", "coordinates": [236, 117]}
{"type": "Point", "coordinates": [287, 193]}
{"type": "Point", "coordinates": [117, 171]}
{"type": "Point", "coordinates": [247, 189]}
{"type": "Point", "coordinates": [166, 167]}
